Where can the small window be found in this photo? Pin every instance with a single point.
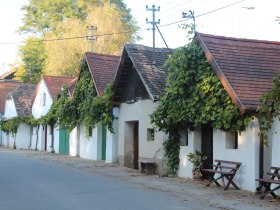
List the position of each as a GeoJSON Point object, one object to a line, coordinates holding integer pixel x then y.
{"type": "Point", "coordinates": [231, 140]}
{"type": "Point", "coordinates": [184, 138]}
{"type": "Point", "coordinates": [43, 99]}
{"type": "Point", "coordinates": [90, 131]}
{"type": "Point", "coordinates": [150, 134]}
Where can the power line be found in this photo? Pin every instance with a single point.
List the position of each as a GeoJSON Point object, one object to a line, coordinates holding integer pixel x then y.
{"type": "Point", "coordinates": [206, 13]}
{"type": "Point", "coordinates": [122, 32]}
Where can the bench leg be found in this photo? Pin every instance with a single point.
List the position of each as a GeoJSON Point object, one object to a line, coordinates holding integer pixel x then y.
{"type": "Point", "coordinates": [212, 179]}
{"type": "Point", "coordinates": [230, 181]}
{"type": "Point", "coordinates": [269, 191]}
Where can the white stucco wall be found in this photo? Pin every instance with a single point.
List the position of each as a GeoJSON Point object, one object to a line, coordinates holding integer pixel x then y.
{"type": "Point", "coordinates": [275, 143]}
{"type": "Point", "coordinates": [23, 136]}
{"type": "Point", "coordinates": [90, 147]}
{"type": "Point", "coordinates": [38, 109]}
{"type": "Point", "coordinates": [194, 143]}
{"type": "Point", "coordinates": [74, 141]}
{"type": "Point", "coordinates": [112, 140]}
{"type": "Point", "coordinates": [56, 139]}
{"type": "Point", "coordinates": [10, 108]}
{"type": "Point", "coordinates": [139, 111]}
{"type": "Point", "coordinates": [247, 153]}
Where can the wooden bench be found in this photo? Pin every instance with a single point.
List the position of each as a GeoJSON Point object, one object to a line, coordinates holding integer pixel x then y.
{"type": "Point", "coordinates": [225, 169]}
{"type": "Point", "coordinates": [147, 166]}
{"type": "Point", "coordinates": [273, 178]}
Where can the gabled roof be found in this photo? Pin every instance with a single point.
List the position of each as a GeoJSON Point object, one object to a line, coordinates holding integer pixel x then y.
{"type": "Point", "coordinates": [55, 83]}
{"type": "Point", "coordinates": [71, 85]}
{"type": "Point", "coordinates": [245, 67]}
{"type": "Point", "coordinates": [6, 86]}
{"type": "Point", "coordinates": [152, 76]}
{"type": "Point", "coordinates": [102, 68]}
{"type": "Point", "coordinates": [22, 96]}
{"type": "Point", "coordinates": [8, 75]}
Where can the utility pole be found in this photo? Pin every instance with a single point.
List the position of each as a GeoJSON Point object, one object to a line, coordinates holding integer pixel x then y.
{"type": "Point", "coordinates": [91, 36]}
{"type": "Point", "coordinates": [190, 15]}
{"type": "Point", "coordinates": [153, 9]}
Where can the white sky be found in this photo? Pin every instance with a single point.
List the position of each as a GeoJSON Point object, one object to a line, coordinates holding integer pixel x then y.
{"type": "Point", "coordinates": [234, 21]}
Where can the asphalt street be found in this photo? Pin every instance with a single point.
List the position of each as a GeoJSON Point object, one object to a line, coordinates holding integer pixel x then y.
{"type": "Point", "coordinates": [30, 184]}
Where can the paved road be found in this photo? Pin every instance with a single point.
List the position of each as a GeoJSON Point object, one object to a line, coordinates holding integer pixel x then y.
{"type": "Point", "coordinates": [27, 184]}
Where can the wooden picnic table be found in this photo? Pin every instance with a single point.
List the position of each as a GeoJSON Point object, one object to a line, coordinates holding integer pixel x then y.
{"type": "Point", "coordinates": [226, 170]}
{"type": "Point", "coordinates": [273, 178]}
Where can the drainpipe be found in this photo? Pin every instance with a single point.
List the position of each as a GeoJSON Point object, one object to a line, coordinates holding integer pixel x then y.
{"type": "Point", "coordinates": [259, 188]}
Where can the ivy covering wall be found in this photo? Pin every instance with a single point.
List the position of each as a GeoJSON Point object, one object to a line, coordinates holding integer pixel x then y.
{"type": "Point", "coordinates": [66, 112]}
{"type": "Point", "coordinates": [193, 96]}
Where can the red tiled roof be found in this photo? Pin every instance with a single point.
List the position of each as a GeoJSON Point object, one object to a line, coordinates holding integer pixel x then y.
{"type": "Point", "coordinates": [6, 86]}
{"type": "Point", "coordinates": [102, 68]}
{"type": "Point", "coordinates": [55, 83]}
{"type": "Point", "coordinates": [245, 67]}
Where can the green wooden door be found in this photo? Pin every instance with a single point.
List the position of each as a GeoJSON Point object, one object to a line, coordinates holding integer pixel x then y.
{"type": "Point", "coordinates": [104, 132]}
{"type": "Point", "coordinates": [63, 142]}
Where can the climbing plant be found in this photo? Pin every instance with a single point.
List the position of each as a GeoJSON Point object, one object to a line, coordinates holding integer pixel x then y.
{"type": "Point", "coordinates": [68, 111]}
{"type": "Point", "coordinates": [11, 125]}
{"type": "Point", "coordinates": [269, 109]}
{"type": "Point", "coordinates": [193, 96]}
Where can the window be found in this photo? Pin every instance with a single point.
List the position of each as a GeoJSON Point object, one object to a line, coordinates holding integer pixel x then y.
{"type": "Point", "coordinates": [43, 99]}
{"type": "Point", "coordinates": [90, 131]}
{"type": "Point", "coordinates": [184, 138]}
{"type": "Point", "coordinates": [150, 134]}
{"type": "Point", "coordinates": [231, 140]}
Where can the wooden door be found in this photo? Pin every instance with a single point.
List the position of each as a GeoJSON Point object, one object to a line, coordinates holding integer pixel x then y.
{"type": "Point", "coordinates": [207, 145]}
{"type": "Point", "coordinates": [104, 133]}
{"type": "Point", "coordinates": [63, 142]}
{"type": "Point", "coordinates": [136, 145]}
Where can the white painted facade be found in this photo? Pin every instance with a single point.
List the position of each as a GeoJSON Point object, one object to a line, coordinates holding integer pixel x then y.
{"type": "Point", "coordinates": [148, 149]}
{"type": "Point", "coordinates": [74, 142]}
{"type": "Point", "coordinates": [40, 107]}
{"type": "Point", "coordinates": [90, 147]}
{"type": "Point", "coordinates": [275, 144]}
{"type": "Point", "coordinates": [22, 138]}
{"type": "Point", "coordinates": [247, 153]}
{"type": "Point", "coordinates": [112, 140]}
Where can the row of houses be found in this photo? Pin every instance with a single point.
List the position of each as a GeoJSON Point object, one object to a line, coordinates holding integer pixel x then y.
{"type": "Point", "coordinates": [246, 69]}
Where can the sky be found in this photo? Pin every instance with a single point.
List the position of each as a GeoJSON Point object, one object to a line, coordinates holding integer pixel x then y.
{"type": "Point", "coordinates": [252, 19]}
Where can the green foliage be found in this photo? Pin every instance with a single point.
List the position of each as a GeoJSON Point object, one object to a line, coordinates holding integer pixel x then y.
{"type": "Point", "coordinates": [172, 149]}
{"type": "Point", "coordinates": [196, 159]}
{"type": "Point", "coordinates": [33, 58]}
{"type": "Point", "coordinates": [269, 109]}
{"type": "Point", "coordinates": [194, 96]}
{"type": "Point", "coordinates": [58, 19]}
{"type": "Point", "coordinates": [11, 125]}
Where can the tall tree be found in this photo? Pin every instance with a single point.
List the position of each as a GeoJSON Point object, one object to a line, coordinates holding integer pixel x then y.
{"type": "Point", "coordinates": [64, 57]}
{"type": "Point", "coordinates": [59, 19]}
{"type": "Point", "coordinates": [33, 57]}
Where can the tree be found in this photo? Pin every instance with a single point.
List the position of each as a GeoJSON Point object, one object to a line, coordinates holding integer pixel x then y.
{"type": "Point", "coordinates": [43, 16]}
{"type": "Point", "coordinates": [64, 57]}
{"type": "Point", "coordinates": [59, 19]}
{"type": "Point", "coordinates": [33, 57]}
